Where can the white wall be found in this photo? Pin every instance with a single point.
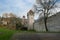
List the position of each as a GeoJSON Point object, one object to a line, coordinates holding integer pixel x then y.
{"type": "Point", "coordinates": [53, 24]}
{"type": "Point", "coordinates": [30, 22]}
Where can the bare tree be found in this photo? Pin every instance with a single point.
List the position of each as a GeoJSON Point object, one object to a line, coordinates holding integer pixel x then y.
{"type": "Point", "coordinates": [5, 15]}
{"type": "Point", "coordinates": [45, 6]}
{"type": "Point", "coordinates": [12, 15]}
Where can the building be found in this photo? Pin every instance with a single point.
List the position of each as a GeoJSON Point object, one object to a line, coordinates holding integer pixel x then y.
{"type": "Point", "coordinates": [30, 18]}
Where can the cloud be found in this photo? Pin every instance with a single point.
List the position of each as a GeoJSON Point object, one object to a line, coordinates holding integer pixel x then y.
{"type": "Point", "coordinates": [19, 7]}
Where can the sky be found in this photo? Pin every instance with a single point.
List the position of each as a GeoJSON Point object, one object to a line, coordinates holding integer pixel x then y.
{"type": "Point", "coordinates": [52, 11]}
{"type": "Point", "coordinates": [18, 7]}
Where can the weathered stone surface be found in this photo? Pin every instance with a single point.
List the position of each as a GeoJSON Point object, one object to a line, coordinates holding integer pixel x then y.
{"type": "Point", "coordinates": [53, 24]}
{"type": "Point", "coordinates": [36, 36]}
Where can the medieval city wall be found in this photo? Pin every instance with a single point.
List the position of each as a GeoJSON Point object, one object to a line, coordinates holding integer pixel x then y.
{"type": "Point", "coordinates": [53, 24]}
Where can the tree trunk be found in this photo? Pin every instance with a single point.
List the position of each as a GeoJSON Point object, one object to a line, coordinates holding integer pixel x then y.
{"type": "Point", "coordinates": [45, 22]}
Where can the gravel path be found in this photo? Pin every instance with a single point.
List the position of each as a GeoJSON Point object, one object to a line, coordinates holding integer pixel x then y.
{"type": "Point", "coordinates": [36, 36]}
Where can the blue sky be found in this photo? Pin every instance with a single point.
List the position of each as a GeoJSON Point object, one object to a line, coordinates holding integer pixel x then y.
{"type": "Point", "coordinates": [18, 7]}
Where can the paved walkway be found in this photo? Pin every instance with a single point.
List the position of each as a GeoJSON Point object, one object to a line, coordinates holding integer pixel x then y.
{"type": "Point", "coordinates": [36, 36]}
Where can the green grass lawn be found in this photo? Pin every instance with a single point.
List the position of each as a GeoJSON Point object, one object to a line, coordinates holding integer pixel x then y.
{"type": "Point", "coordinates": [6, 34]}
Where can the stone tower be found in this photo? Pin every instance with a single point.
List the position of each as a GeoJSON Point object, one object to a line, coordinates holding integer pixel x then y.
{"type": "Point", "coordinates": [30, 17]}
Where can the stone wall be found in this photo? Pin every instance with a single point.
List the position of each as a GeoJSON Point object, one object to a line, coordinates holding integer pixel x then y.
{"type": "Point", "coordinates": [30, 18]}
{"type": "Point", "coordinates": [53, 23]}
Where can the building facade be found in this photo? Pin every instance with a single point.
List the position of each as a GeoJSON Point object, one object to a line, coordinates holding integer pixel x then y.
{"type": "Point", "coordinates": [30, 18]}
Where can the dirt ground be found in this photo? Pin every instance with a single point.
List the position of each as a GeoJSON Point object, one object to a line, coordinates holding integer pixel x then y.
{"type": "Point", "coordinates": [36, 36]}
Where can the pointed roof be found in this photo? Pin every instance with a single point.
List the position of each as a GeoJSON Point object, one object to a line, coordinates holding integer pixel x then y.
{"type": "Point", "coordinates": [30, 13]}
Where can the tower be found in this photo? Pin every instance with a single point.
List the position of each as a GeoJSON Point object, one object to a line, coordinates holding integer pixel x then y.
{"type": "Point", "coordinates": [30, 17]}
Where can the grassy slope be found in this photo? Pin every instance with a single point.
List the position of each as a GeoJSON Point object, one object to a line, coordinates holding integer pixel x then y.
{"type": "Point", "coordinates": [5, 34]}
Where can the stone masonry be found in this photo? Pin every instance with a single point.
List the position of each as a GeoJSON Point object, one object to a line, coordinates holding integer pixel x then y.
{"type": "Point", "coordinates": [53, 23]}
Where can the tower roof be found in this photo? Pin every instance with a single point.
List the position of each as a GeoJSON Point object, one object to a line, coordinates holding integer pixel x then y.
{"type": "Point", "coordinates": [30, 13]}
